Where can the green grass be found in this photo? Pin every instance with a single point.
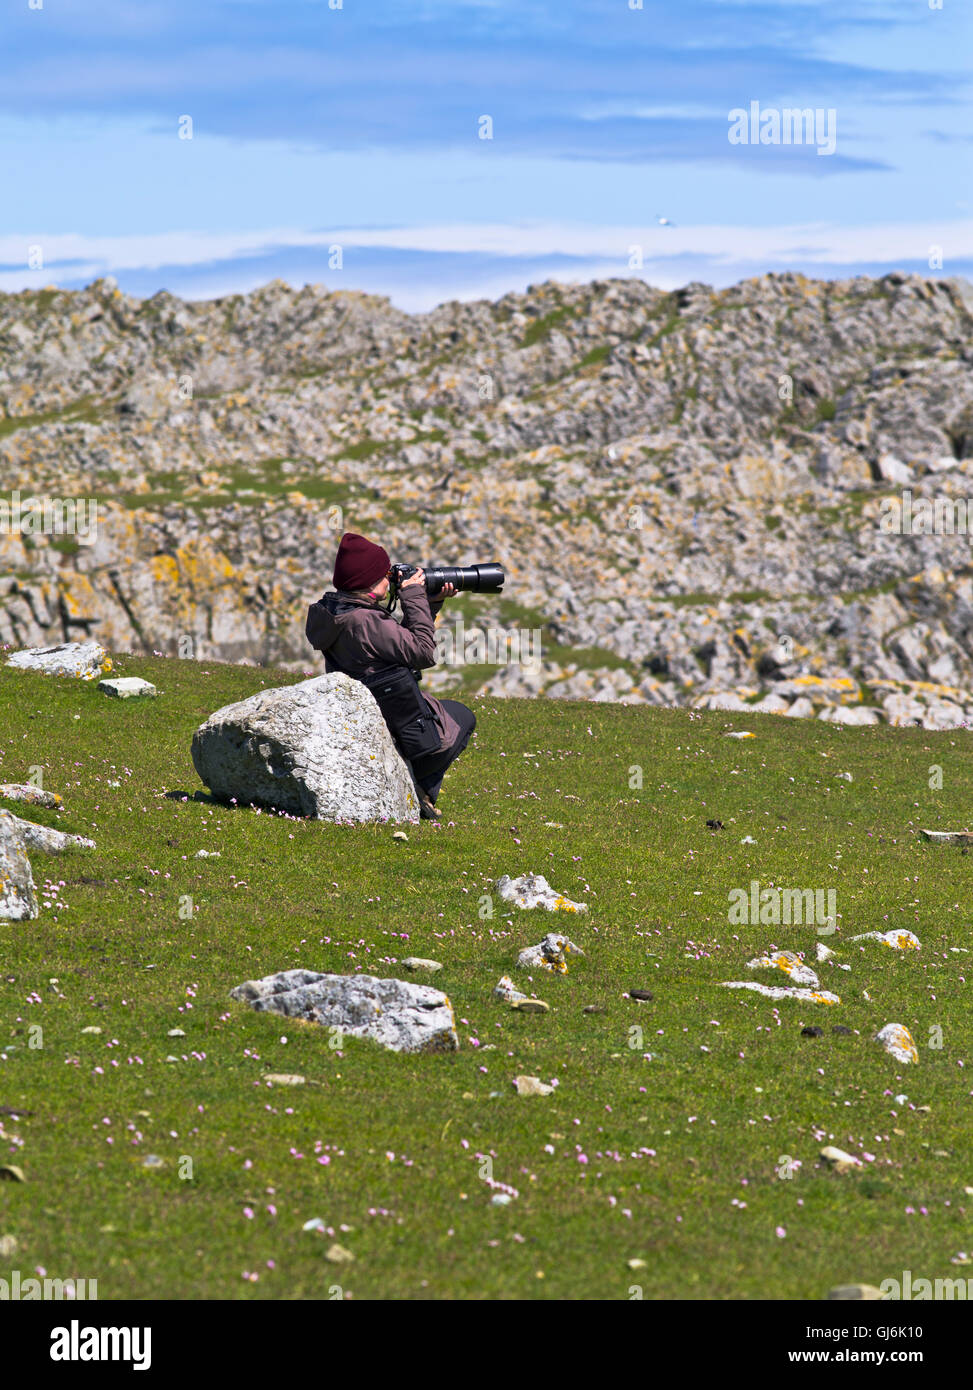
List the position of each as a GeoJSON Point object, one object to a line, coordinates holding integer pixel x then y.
{"type": "Point", "coordinates": [123, 951]}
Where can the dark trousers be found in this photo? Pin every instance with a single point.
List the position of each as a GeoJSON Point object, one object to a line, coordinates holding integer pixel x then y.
{"type": "Point", "coordinates": [430, 769]}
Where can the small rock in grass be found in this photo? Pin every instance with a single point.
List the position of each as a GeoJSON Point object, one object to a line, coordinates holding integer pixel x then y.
{"type": "Point", "coordinates": [898, 940]}
{"type": "Point", "coordinates": [172, 1033]}
{"type": "Point", "coordinates": [506, 989]}
{"type": "Point", "coordinates": [898, 1042]}
{"type": "Point", "coordinates": [866, 1292]}
{"type": "Point", "coordinates": [33, 796]}
{"type": "Point", "coordinates": [812, 1032]}
{"type": "Point", "coordinates": [86, 660]}
{"type": "Point", "coordinates": [399, 835]}
{"type": "Point", "coordinates": [315, 1224]}
{"type": "Point", "coordinates": [810, 996]}
{"type": "Point", "coordinates": [940, 837]}
{"type": "Point", "coordinates": [644, 995]}
{"type": "Point", "coordinates": [739, 733]}
{"type": "Point", "coordinates": [421, 963]}
{"type": "Point", "coordinates": [533, 890]}
{"type": "Point", "coordinates": [9, 1172]}
{"type": "Point", "coordinates": [92, 1028]}
{"type": "Point", "coordinates": [338, 1255]}
{"type": "Point", "coordinates": [840, 1161]}
{"type": "Point", "coordinates": [283, 1078]}
{"type": "Point", "coordinates": [594, 1009]}
{"type": "Point", "coordinates": [153, 1161]}
{"type": "Point", "coordinates": [207, 854]}
{"type": "Point", "coordinates": [637, 1264]}
{"type": "Point", "coordinates": [530, 1006]}
{"type": "Point", "coordinates": [126, 687]}
{"type": "Point", "coordinates": [8, 1247]}
{"type": "Point", "coordinates": [789, 963]}
{"type": "Point", "coordinates": [714, 825]}
{"type": "Point", "coordinates": [549, 954]}
{"type": "Point", "coordinates": [532, 1086]}
{"type": "Point", "coordinates": [501, 1199]}
{"type": "Point", "coordinates": [42, 837]}
{"type": "Point", "coordinates": [170, 1058]}
{"type": "Point", "coordinates": [841, 1030]}
{"type": "Point", "coordinates": [823, 952]}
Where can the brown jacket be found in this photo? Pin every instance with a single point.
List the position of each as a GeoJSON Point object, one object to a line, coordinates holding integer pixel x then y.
{"type": "Point", "coordinates": [366, 637]}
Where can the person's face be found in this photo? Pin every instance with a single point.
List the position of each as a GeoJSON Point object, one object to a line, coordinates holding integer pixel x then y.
{"type": "Point", "coordinates": [381, 589]}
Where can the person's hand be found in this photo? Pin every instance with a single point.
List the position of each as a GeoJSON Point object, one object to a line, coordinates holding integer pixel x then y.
{"type": "Point", "coordinates": [418, 578]}
{"type": "Point", "coordinates": [447, 589]}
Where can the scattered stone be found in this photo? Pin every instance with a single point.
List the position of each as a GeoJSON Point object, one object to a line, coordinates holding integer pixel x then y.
{"type": "Point", "coordinates": [8, 1247]}
{"type": "Point", "coordinates": [530, 1006]}
{"type": "Point", "coordinates": [841, 1030]}
{"type": "Point", "coordinates": [208, 854]}
{"type": "Point", "coordinates": [594, 1009]}
{"type": "Point", "coordinates": [790, 964]}
{"type": "Point", "coordinates": [338, 1255]}
{"type": "Point", "coordinates": [33, 796]}
{"type": "Point", "coordinates": [865, 1292]}
{"type": "Point", "coordinates": [533, 890]}
{"type": "Point", "coordinates": [420, 963]}
{"type": "Point", "coordinates": [739, 733]}
{"type": "Point", "coordinates": [92, 1028]}
{"type": "Point", "coordinates": [840, 1161]}
{"type": "Point", "coordinates": [899, 940]}
{"type": "Point", "coordinates": [532, 1086]}
{"type": "Point", "coordinates": [42, 837]}
{"type": "Point", "coordinates": [810, 996]}
{"type": "Point", "coordinates": [948, 837]}
{"type": "Point", "coordinates": [126, 687]}
{"type": "Point", "coordinates": [319, 748]}
{"type": "Point", "coordinates": [85, 660]}
{"type": "Point", "coordinates": [823, 952]}
{"type": "Point", "coordinates": [172, 1033]}
{"type": "Point", "coordinates": [506, 989]}
{"type": "Point", "coordinates": [641, 994]}
{"type": "Point", "coordinates": [18, 897]}
{"type": "Point", "coordinates": [402, 1016]}
{"type": "Point", "coordinates": [315, 1224]}
{"type": "Point", "coordinates": [812, 1032]}
{"type": "Point", "coordinates": [637, 1264]}
{"type": "Point", "coordinates": [898, 1042]}
{"type": "Point", "coordinates": [714, 825]}
{"type": "Point", "coordinates": [153, 1161]}
{"type": "Point", "coordinates": [501, 1199]}
{"type": "Point", "coordinates": [549, 954]}
{"type": "Point", "coordinates": [171, 1058]}
{"type": "Point", "coordinates": [9, 1172]}
{"type": "Point", "coordinates": [399, 835]}
{"type": "Point", "coordinates": [283, 1078]}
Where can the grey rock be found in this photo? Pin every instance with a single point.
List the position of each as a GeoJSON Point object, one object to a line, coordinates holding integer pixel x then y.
{"type": "Point", "coordinates": [319, 748]}
{"type": "Point", "coordinates": [402, 1016]}
{"type": "Point", "coordinates": [86, 660]}
{"type": "Point", "coordinates": [126, 687]}
{"type": "Point", "coordinates": [18, 899]}
{"type": "Point", "coordinates": [33, 796]}
{"type": "Point", "coordinates": [43, 837]}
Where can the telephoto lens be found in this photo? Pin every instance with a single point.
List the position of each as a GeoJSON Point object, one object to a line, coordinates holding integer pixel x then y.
{"type": "Point", "coordinates": [475, 579]}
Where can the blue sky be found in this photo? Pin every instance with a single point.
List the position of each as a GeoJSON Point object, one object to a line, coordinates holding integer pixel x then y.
{"type": "Point", "coordinates": [358, 126]}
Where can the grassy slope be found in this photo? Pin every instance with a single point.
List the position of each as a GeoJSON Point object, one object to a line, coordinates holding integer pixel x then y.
{"type": "Point", "coordinates": [286, 893]}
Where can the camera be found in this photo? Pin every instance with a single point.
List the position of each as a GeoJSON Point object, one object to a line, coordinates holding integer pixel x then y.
{"type": "Point", "coordinates": [475, 579]}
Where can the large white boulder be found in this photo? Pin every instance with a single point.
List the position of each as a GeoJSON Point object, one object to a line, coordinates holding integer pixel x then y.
{"type": "Point", "coordinates": [318, 748]}
{"type": "Point", "coordinates": [85, 660]}
{"type": "Point", "coordinates": [18, 901]}
{"type": "Point", "coordinates": [396, 1013]}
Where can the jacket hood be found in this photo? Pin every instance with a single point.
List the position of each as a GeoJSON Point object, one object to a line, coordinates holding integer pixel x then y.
{"type": "Point", "coordinates": [325, 624]}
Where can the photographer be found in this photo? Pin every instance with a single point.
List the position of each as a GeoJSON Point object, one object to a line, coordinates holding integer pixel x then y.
{"type": "Point", "coordinates": [365, 641]}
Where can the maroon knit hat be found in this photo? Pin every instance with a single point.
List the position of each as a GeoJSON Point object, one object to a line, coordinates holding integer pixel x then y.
{"type": "Point", "coordinates": [359, 563]}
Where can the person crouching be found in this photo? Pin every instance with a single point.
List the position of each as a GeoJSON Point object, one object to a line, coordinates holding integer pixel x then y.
{"type": "Point", "coordinates": [365, 641]}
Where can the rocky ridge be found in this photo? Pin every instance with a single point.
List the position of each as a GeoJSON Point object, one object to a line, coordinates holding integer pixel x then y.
{"type": "Point", "coordinates": [690, 491]}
